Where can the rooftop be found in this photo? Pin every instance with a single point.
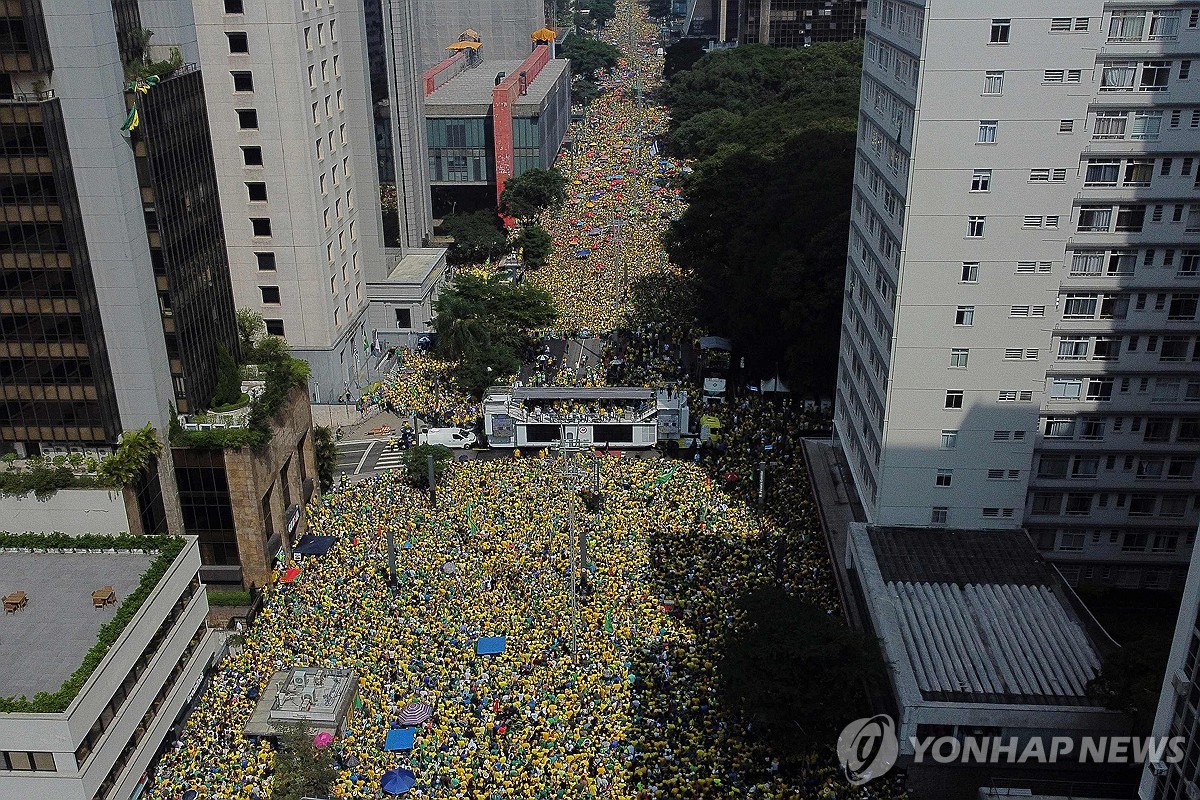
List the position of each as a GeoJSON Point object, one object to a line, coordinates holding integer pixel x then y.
{"type": "Point", "coordinates": [415, 265]}
{"type": "Point", "coordinates": [471, 90]}
{"type": "Point", "coordinates": [974, 616]}
{"type": "Point", "coordinates": [45, 642]}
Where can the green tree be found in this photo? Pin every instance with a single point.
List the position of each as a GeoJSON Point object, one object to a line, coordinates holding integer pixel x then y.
{"type": "Point", "coordinates": [482, 324]}
{"type": "Point", "coordinates": [229, 381]}
{"type": "Point", "coordinates": [250, 327]}
{"type": "Point", "coordinates": [326, 456]}
{"type": "Point", "coordinates": [682, 56]}
{"type": "Point", "coordinates": [583, 91]}
{"type": "Point", "coordinates": [658, 9]}
{"type": "Point", "coordinates": [478, 237]}
{"type": "Point", "coordinates": [1130, 679]}
{"type": "Point", "coordinates": [534, 190]}
{"type": "Point", "coordinates": [416, 462]}
{"type": "Point", "coordinates": [535, 244]}
{"type": "Point", "coordinates": [134, 452]}
{"type": "Point", "coordinates": [797, 673]}
{"type": "Point", "coordinates": [588, 55]}
{"type": "Point", "coordinates": [301, 768]}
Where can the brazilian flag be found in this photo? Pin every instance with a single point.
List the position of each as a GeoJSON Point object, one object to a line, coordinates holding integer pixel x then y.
{"type": "Point", "coordinates": [133, 120]}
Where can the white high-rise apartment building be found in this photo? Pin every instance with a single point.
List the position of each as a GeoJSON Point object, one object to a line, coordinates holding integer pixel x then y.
{"type": "Point", "coordinates": [289, 106]}
{"type": "Point", "coordinates": [1019, 343]}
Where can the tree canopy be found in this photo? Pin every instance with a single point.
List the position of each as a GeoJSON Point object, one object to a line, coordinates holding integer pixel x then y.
{"type": "Point", "coordinates": [301, 768]}
{"type": "Point", "coordinates": [588, 55]}
{"type": "Point", "coordinates": [478, 237]}
{"type": "Point", "coordinates": [599, 13]}
{"type": "Point", "coordinates": [482, 323]}
{"type": "Point", "coordinates": [795, 672]}
{"type": "Point", "coordinates": [528, 194]}
{"type": "Point", "coordinates": [681, 56]}
{"type": "Point", "coordinates": [416, 462]}
{"type": "Point", "coordinates": [765, 231]}
{"type": "Point", "coordinates": [536, 245]}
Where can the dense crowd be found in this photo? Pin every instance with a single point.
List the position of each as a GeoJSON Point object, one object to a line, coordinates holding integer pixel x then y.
{"type": "Point", "coordinates": [620, 192]}
{"type": "Point", "coordinates": [422, 385]}
{"type": "Point", "coordinates": [638, 716]}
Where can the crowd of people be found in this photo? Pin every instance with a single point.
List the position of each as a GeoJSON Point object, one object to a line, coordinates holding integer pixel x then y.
{"type": "Point", "coordinates": [621, 196]}
{"type": "Point", "coordinates": [636, 715]}
{"type": "Point", "coordinates": [422, 385]}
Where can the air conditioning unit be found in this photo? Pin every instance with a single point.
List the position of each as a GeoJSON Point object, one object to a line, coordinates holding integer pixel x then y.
{"type": "Point", "coordinates": [1180, 682]}
{"type": "Point", "coordinates": [1158, 769]}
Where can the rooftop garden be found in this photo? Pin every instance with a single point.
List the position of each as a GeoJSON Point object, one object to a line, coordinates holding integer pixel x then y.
{"type": "Point", "coordinates": [45, 476]}
{"type": "Point", "coordinates": [167, 547]}
{"type": "Point", "coordinates": [269, 360]}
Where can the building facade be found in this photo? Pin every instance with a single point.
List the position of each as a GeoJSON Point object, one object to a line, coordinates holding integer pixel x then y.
{"type": "Point", "coordinates": [792, 23]}
{"type": "Point", "coordinates": [99, 747]}
{"type": "Point", "coordinates": [1019, 330]}
{"type": "Point", "coordinates": [293, 142]}
{"type": "Point", "coordinates": [1179, 704]}
{"type": "Point", "coordinates": [98, 251]}
{"type": "Point", "coordinates": [503, 26]}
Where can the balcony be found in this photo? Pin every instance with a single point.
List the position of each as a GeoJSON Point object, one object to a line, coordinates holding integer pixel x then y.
{"type": "Point", "coordinates": [28, 97]}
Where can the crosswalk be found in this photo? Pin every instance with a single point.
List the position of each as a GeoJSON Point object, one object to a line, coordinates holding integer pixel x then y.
{"type": "Point", "coordinates": [389, 459]}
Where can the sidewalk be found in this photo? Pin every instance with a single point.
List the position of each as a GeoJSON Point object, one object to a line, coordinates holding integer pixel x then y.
{"type": "Point", "coordinates": [838, 506]}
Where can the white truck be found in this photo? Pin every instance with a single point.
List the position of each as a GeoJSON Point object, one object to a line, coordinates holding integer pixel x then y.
{"type": "Point", "coordinates": [454, 438]}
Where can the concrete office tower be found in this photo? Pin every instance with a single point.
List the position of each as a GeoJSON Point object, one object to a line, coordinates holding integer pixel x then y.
{"type": "Point", "coordinates": [794, 23]}
{"type": "Point", "coordinates": [406, 113]}
{"type": "Point", "coordinates": [503, 26]}
{"type": "Point", "coordinates": [1019, 333]}
{"type": "Point", "coordinates": [293, 139]}
{"type": "Point", "coordinates": [115, 292]}
{"type": "Point", "coordinates": [1177, 704]}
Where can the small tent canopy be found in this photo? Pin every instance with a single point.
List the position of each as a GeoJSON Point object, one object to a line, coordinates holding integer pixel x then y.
{"type": "Point", "coordinates": [465, 46]}
{"type": "Point", "coordinates": [544, 35]}
{"type": "Point", "coordinates": [715, 343]}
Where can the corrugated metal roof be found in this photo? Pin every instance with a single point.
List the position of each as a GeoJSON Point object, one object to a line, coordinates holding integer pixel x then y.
{"type": "Point", "coordinates": [993, 642]}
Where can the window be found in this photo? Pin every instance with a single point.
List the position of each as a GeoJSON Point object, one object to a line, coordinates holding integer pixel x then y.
{"type": "Point", "coordinates": [256, 192]}
{"type": "Point", "coordinates": [1066, 388]}
{"type": "Point", "coordinates": [1047, 503]}
{"type": "Point", "coordinates": [1095, 218]}
{"type": "Point", "coordinates": [1117, 76]}
{"type": "Point", "coordinates": [993, 82]}
{"type": "Point", "coordinates": [981, 180]}
{"type": "Point", "coordinates": [261, 226]}
{"type": "Point", "coordinates": [233, 7]}
{"type": "Point", "coordinates": [238, 43]}
{"type": "Point", "coordinates": [1109, 125]}
{"type": "Point", "coordinates": [403, 318]}
{"type": "Point", "coordinates": [1060, 25]}
{"type": "Point", "coordinates": [266, 261]}
{"type": "Point", "coordinates": [1079, 504]}
{"type": "Point", "coordinates": [1000, 29]}
{"type": "Point", "coordinates": [1053, 466]}
{"type": "Point", "coordinates": [964, 315]}
{"type": "Point", "coordinates": [1070, 542]}
{"type": "Point", "coordinates": [1141, 505]}
{"type": "Point", "coordinates": [1039, 176]}
{"type": "Point", "coordinates": [949, 439]}
{"type": "Point", "coordinates": [1155, 75]}
{"type": "Point", "coordinates": [247, 119]}
{"type": "Point", "coordinates": [270, 295]}
{"type": "Point", "coordinates": [1164, 24]}
{"type": "Point", "coordinates": [252, 156]}
{"type": "Point", "coordinates": [1126, 26]}
{"type": "Point", "coordinates": [958, 357]}
{"type": "Point", "coordinates": [243, 81]}
{"type": "Point", "coordinates": [1053, 76]}
{"type": "Point", "coordinates": [1138, 172]}
{"type": "Point", "coordinates": [1074, 75]}
{"type": "Point", "coordinates": [1130, 218]}
{"type": "Point", "coordinates": [1185, 69]}
{"type": "Point", "coordinates": [938, 515]}
{"type": "Point", "coordinates": [1183, 307]}
{"type": "Point", "coordinates": [1146, 125]}
{"type": "Point", "coordinates": [1099, 389]}
{"type": "Point", "coordinates": [944, 477]}
{"type": "Point", "coordinates": [274, 327]}
{"type": "Point", "coordinates": [987, 131]}
{"type": "Point", "coordinates": [954, 399]}
{"type": "Point", "coordinates": [975, 227]}
{"type": "Point", "coordinates": [1080, 306]}
{"type": "Point", "coordinates": [1088, 262]}
{"type": "Point", "coordinates": [308, 39]}
{"type": "Point", "coordinates": [970, 272]}
{"type": "Point", "coordinates": [1073, 348]}
{"type": "Point", "coordinates": [1066, 125]}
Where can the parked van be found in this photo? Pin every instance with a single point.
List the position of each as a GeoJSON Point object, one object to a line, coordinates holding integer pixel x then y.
{"type": "Point", "coordinates": [457, 438]}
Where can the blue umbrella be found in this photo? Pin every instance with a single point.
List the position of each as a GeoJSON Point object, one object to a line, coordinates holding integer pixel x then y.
{"type": "Point", "coordinates": [398, 781]}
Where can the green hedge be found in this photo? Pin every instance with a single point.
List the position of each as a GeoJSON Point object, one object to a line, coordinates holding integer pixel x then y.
{"type": "Point", "coordinates": [222, 438]}
{"type": "Point", "coordinates": [45, 479]}
{"type": "Point", "coordinates": [228, 597]}
{"type": "Point", "coordinates": [168, 548]}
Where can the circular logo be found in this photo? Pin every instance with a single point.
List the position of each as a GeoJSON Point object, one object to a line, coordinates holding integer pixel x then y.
{"type": "Point", "coordinates": [867, 748]}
